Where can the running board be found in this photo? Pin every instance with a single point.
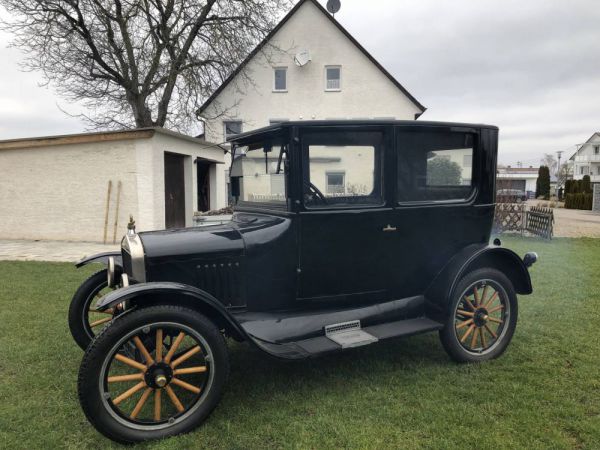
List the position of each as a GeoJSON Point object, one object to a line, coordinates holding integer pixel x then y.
{"type": "Point", "coordinates": [308, 348]}
{"type": "Point", "coordinates": [349, 334]}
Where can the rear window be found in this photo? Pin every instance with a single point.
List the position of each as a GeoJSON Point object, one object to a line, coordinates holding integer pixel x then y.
{"type": "Point", "coordinates": [435, 165]}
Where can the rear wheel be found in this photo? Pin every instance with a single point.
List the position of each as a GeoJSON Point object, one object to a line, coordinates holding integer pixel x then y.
{"type": "Point", "coordinates": [483, 317]}
{"type": "Point", "coordinates": [84, 320]}
{"type": "Point", "coordinates": [153, 373]}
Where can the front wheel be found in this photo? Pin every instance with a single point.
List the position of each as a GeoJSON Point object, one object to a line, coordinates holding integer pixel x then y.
{"type": "Point", "coordinates": [152, 373]}
{"type": "Point", "coordinates": [85, 321]}
{"type": "Point", "coordinates": [483, 317]}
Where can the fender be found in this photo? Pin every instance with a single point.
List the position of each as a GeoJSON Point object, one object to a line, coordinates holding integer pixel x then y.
{"type": "Point", "coordinates": [101, 258]}
{"type": "Point", "coordinates": [148, 293]}
{"type": "Point", "coordinates": [470, 258]}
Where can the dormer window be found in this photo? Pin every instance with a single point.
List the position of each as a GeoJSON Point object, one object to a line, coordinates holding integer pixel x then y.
{"type": "Point", "coordinates": [333, 78]}
{"type": "Point", "coordinates": [280, 79]}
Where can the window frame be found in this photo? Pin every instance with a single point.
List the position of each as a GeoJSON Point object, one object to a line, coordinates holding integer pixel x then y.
{"type": "Point", "coordinates": [335, 172]}
{"type": "Point", "coordinates": [275, 69]}
{"type": "Point", "coordinates": [225, 122]}
{"type": "Point", "coordinates": [475, 167]}
{"type": "Point", "coordinates": [334, 66]}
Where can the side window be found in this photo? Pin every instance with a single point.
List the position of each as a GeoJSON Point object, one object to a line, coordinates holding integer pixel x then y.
{"type": "Point", "coordinates": [435, 165]}
{"type": "Point", "coordinates": [343, 169]}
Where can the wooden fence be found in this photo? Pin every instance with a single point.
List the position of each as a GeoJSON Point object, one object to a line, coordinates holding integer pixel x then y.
{"type": "Point", "coordinates": [515, 217]}
{"type": "Point", "coordinates": [540, 221]}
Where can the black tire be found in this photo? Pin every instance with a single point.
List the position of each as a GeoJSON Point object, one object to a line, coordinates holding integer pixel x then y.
{"type": "Point", "coordinates": [98, 402]}
{"type": "Point", "coordinates": [79, 319]}
{"type": "Point", "coordinates": [479, 319]}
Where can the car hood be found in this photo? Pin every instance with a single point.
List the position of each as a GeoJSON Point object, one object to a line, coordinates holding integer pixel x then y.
{"type": "Point", "coordinates": [203, 242]}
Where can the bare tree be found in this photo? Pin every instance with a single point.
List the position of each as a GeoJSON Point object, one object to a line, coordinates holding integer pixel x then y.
{"type": "Point", "coordinates": [549, 160]}
{"type": "Point", "coordinates": [138, 62]}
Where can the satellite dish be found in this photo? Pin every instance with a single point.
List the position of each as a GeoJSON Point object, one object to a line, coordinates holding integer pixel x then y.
{"type": "Point", "coordinates": [302, 58]}
{"type": "Point", "coordinates": [333, 6]}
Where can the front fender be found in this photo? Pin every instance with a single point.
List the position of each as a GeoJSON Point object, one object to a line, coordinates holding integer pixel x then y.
{"type": "Point", "coordinates": [156, 292]}
{"type": "Point", "coordinates": [471, 258]}
{"type": "Point", "coordinates": [101, 258]}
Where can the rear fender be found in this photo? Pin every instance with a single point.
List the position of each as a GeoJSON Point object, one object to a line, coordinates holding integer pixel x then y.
{"type": "Point", "coordinates": [471, 258]}
{"type": "Point", "coordinates": [152, 293]}
{"type": "Point", "coordinates": [101, 258]}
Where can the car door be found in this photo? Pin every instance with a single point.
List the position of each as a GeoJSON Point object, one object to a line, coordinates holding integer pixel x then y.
{"type": "Point", "coordinates": [344, 248]}
{"type": "Point", "coordinates": [438, 209]}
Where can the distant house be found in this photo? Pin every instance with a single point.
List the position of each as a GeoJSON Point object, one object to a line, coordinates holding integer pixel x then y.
{"type": "Point", "coordinates": [519, 178]}
{"type": "Point", "coordinates": [57, 187]}
{"type": "Point", "coordinates": [586, 160]}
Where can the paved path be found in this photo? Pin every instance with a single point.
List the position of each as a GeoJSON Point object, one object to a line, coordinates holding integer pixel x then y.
{"type": "Point", "coordinates": [50, 250]}
{"type": "Point", "coordinates": [576, 223]}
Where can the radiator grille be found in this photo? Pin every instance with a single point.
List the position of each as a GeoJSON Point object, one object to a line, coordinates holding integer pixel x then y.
{"type": "Point", "coordinates": [223, 280]}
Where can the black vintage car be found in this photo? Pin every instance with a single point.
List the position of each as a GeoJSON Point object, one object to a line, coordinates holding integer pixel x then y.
{"type": "Point", "coordinates": [345, 233]}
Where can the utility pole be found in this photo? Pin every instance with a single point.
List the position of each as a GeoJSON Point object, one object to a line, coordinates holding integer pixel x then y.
{"type": "Point", "coordinates": [558, 184]}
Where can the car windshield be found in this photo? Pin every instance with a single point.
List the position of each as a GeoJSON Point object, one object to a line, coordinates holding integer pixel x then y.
{"type": "Point", "coordinates": [261, 172]}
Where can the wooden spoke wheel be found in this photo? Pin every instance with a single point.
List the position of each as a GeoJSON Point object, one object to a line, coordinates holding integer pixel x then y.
{"type": "Point", "coordinates": [152, 373]}
{"type": "Point", "coordinates": [162, 379]}
{"type": "Point", "coordinates": [483, 317]}
{"type": "Point", "coordinates": [85, 321]}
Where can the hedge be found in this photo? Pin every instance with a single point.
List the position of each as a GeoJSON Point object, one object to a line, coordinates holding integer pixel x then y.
{"type": "Point", "coordinates": [578, 201]}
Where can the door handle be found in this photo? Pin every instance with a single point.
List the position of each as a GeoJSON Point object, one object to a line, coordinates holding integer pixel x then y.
{"type": "Point", "coordinates": [389, 228]}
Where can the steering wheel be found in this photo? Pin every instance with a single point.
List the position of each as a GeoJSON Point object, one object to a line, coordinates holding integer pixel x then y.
{"type": "Point", "coordinates": [316, 192]}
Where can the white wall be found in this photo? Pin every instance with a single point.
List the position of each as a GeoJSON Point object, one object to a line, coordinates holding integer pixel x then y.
{"type": "Point", "coordinates": [59, 192]}
{"type": "Point", "coordinates": [366, 91]}
{"type": "Point", "coordinates": [587, 161]}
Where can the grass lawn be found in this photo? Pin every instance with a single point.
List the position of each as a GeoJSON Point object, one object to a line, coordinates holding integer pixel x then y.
{"type": "Point", "coordinates": [544, 392]}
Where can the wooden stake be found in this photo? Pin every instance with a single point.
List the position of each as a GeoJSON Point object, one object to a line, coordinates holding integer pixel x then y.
{"type": "Point", "coordinates": [119, 186]}
{"type": "Point", "coordinates": [107, 208]}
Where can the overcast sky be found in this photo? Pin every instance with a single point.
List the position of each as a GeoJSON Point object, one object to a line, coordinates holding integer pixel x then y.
{"type": "Point", "coordinates": [532, 67]}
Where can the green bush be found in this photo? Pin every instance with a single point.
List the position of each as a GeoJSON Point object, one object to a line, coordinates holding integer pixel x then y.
{"type": "Point", "coordinates": [586, 185]}
{"type": "Point", "coordinates": [542, 185]}
{"type": "Point", "coordinates": [580, 200]}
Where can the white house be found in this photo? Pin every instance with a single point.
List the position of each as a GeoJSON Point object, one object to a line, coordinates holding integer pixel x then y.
{"type": "Point", "coordinates": [308, 67]}
{"type": "Point", "coordinates": [57, 187]}
{"type": "Point", "coordinates": [520, 178]}
{"type": "Point", "coordinates": [586, 160]}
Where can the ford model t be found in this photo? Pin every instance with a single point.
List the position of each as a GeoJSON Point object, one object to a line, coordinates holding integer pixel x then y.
{"type": "Point", "coordinates": [345, 233]}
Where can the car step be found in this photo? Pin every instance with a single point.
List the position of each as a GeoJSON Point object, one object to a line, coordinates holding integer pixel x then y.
{"type": "Point", "coordinates": [349, 334]}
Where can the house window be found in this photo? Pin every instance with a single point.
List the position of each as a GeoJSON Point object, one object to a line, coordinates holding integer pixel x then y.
{"type": "Point", "coordinates": [335, 182]}
{"type": "Point", "coordinates": [231, 128]}
{"type": "Point", "coordinates": [333, 78]}
{"type": "Point", "coordinates": [596, 149]}
{"type": "Point", "coordinates": [280, 79]}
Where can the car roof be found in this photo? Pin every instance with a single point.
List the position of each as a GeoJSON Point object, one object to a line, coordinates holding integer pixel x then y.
{"type": "Point", "coordinates": [253, 135]}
